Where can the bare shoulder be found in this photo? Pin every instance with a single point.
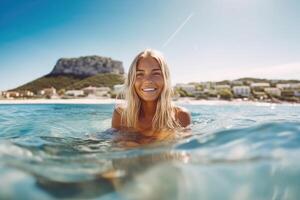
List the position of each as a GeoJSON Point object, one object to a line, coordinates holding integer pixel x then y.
{"type": "Point", "coordinates": [183, 116]}
{"type": "Point", "coordinates": [116, 118]}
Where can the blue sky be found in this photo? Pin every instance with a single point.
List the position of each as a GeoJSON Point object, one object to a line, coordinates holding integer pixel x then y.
{"type": "Point", "coordinates": [202, 40]}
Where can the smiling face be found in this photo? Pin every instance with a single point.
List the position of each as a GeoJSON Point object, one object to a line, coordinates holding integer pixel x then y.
{"type": "Point", "coordinates": [149, 80]}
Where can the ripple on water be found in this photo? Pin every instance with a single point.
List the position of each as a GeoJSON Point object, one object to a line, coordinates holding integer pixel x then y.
{"type": "Point", "coordinates": [249, 152]}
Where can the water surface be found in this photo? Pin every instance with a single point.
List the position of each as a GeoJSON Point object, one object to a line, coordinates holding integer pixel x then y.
{"type": "Point", "coordinates": [58, 151]}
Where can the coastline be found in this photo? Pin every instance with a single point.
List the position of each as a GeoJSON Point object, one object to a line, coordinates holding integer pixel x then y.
{"type": "Point", "coordinates": [181, 101]}
{"type": "Point", "coordinates": [59, 101]}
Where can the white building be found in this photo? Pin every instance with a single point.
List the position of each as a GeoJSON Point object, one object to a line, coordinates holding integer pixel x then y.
{"type": "Point", "coordinates": [11, 94]}
{"type": "Point", "coordinates": [243, 91]}
{"type": "Point", "coordinates": [260, 95]}
{"type": "Point", "coordinates": [74, 93]}
{"type": "Point", "coordinates": [26, 93]}
{"type": "Point", "coordinates": [273, 91]}
{"type": "Point", "coordinates": [118, 88]}
{"type": "Point", "coordinates": [47, 92]}
{"type": "Point", "coordinates": [208, 85]}
{"type": "Point", "coordinates": [96, 91]}
{"type": "Point", "coordinates": [237, 83]}
{"type": "Point", "coordinates": [259, 85]}
{"type": "Point", "coordinates": [297, 93]}
{"type": "Point", "coordinates": [295, 85]}
{"type": "Point", "coordinates": [210, 92]}
{"type": "Point", "coordinates": [283, 86]}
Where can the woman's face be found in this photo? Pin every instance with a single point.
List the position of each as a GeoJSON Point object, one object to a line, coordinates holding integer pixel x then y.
{"type": "Point", "coordinates": [149, 80]}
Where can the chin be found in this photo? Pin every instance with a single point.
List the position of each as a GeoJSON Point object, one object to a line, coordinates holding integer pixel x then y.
{"type": "Point", "coordinates": [149, 99]}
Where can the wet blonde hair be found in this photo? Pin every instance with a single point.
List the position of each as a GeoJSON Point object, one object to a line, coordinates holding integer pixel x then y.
{"type": "Point", "coordinates": [164, 117]}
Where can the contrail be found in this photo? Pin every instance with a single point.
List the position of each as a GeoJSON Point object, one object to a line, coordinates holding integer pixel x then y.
{"type": "Point", "coordinates": [177, 30]}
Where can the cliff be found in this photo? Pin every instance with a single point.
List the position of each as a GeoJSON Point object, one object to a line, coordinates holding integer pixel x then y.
{"type": "Point", "coordinates": [87, 66]}
{"type": "Point", "coordinates": [77, 73]}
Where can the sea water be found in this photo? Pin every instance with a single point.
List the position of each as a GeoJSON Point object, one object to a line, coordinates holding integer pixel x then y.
{"type": "Point", "coordinates": [59, 151]}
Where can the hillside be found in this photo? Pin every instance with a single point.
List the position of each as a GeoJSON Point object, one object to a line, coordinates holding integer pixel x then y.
{"type": "Point", "coordinates": [78, 73]}
{"type": "Point", "coordinates": [71, 82]}
{"type": "Point", "coordinates": [57, 82]}
{"type": "Point", "coordinates": [99, 80]}
{"type": "Point", "coordinates": [255, 80]}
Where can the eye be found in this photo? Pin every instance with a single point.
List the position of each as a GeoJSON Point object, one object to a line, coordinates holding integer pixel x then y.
{"type": "Point", "coordinates": [139, 74]}
{"type": "Point", "coordinates": [157, 73]}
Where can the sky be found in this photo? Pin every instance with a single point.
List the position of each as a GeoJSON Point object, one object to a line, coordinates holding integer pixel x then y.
{"type": "Point", "coordinates": [202, 40]}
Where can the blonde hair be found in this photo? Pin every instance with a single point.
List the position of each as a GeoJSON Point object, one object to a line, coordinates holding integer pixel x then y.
{"type": "Point", "coordinates": [164, 117]}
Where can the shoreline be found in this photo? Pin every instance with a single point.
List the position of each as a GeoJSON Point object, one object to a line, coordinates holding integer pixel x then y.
{"type": "Point", "coordinates": [182, 101]}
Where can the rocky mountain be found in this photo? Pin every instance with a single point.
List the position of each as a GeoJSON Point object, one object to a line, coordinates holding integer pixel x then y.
{"type": "Point", "coordinates": [77, 73]}
{"type": "Point", "coordinates": [87, 66]}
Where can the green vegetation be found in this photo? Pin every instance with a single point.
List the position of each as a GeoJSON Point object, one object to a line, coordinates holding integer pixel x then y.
{"type": "Point", "coordinates": [256, 80]}
{"type": "Point", "coordinates": [199, 87]}
{"type": "Point", "coordinates": [67, 82]}
{"type": "Point", "coordinates": [225, 82]}
{"type": "Point", "coordinates": [99, 80]}
{"type": "Point", "coordinates": [183, 93]}
{"type": "Point", "coordinates": [58, 82]}
{"type": "Point", "coordinates": [225, 94]}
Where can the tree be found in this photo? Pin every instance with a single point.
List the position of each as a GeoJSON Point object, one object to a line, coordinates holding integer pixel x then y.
{"type": "Point", "coordinates": [225, 94]}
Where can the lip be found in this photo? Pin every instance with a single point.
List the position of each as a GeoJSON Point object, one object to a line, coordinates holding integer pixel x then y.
{"type": "Point", "coordinates": [149, 89]}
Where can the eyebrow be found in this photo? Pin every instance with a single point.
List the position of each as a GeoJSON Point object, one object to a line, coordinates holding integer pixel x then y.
{"type": "Point", "coordinates": [141, 70]}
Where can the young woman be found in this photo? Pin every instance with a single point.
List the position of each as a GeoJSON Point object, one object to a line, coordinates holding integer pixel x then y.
{"type": "Point", "coordinates": [148, 109]}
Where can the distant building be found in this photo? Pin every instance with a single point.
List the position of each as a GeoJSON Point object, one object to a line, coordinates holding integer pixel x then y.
{"type": "Point", "coordinates": [243, 91]}
{"type": "Point", "coordinates": [118, 88]}
{"type": "Point", "coordinates": [259, 85]}
{"type": "Point", "coordinates": [47, 92]}
{"type": "Point", "coordinates": [208, 85]}
{"type": "Point", "coordinates": [295, 85]}
{"type": "Point", "coordinates": [96, 91]}
{"type": "Point", "coordinates": [260, 95]}
{"type": "Point", "coordinates": [283, 86]}
{"type": "Point", "coordinates": [26, 93]}
{"type": "Point", "coordinates": [210, 92]}
{"type": "Point", "coordinates": [74, 93]}
{"type": "Point", "coordinates": [286, 86]}
{"type": "Point", "coordinates": [11, 94]}
{"type": "Point", "coordinates": [89, 90]}
{"type": "Point", "coordinates": [237, 83]}
{"type": "Point", "coordinates": [273, 91]}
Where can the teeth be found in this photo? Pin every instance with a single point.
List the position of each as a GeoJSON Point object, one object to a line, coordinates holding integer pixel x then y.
{"type": "Point", "coordinates": [148, 89]}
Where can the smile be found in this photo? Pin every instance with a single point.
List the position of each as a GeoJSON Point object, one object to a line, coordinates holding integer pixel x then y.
{"type": "Point", "coordinates": [149, 89]}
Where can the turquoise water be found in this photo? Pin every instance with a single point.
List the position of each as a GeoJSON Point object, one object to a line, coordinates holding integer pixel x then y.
{"type": "Point", "coordinates": [67, 151]}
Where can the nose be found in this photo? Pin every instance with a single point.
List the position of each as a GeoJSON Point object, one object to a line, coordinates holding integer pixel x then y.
{"type": "Point", "coordinates": [148, 78]}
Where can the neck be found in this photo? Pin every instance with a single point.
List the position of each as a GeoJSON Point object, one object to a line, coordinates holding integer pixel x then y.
{"type": "Point", "coordinates": [148, 109]}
